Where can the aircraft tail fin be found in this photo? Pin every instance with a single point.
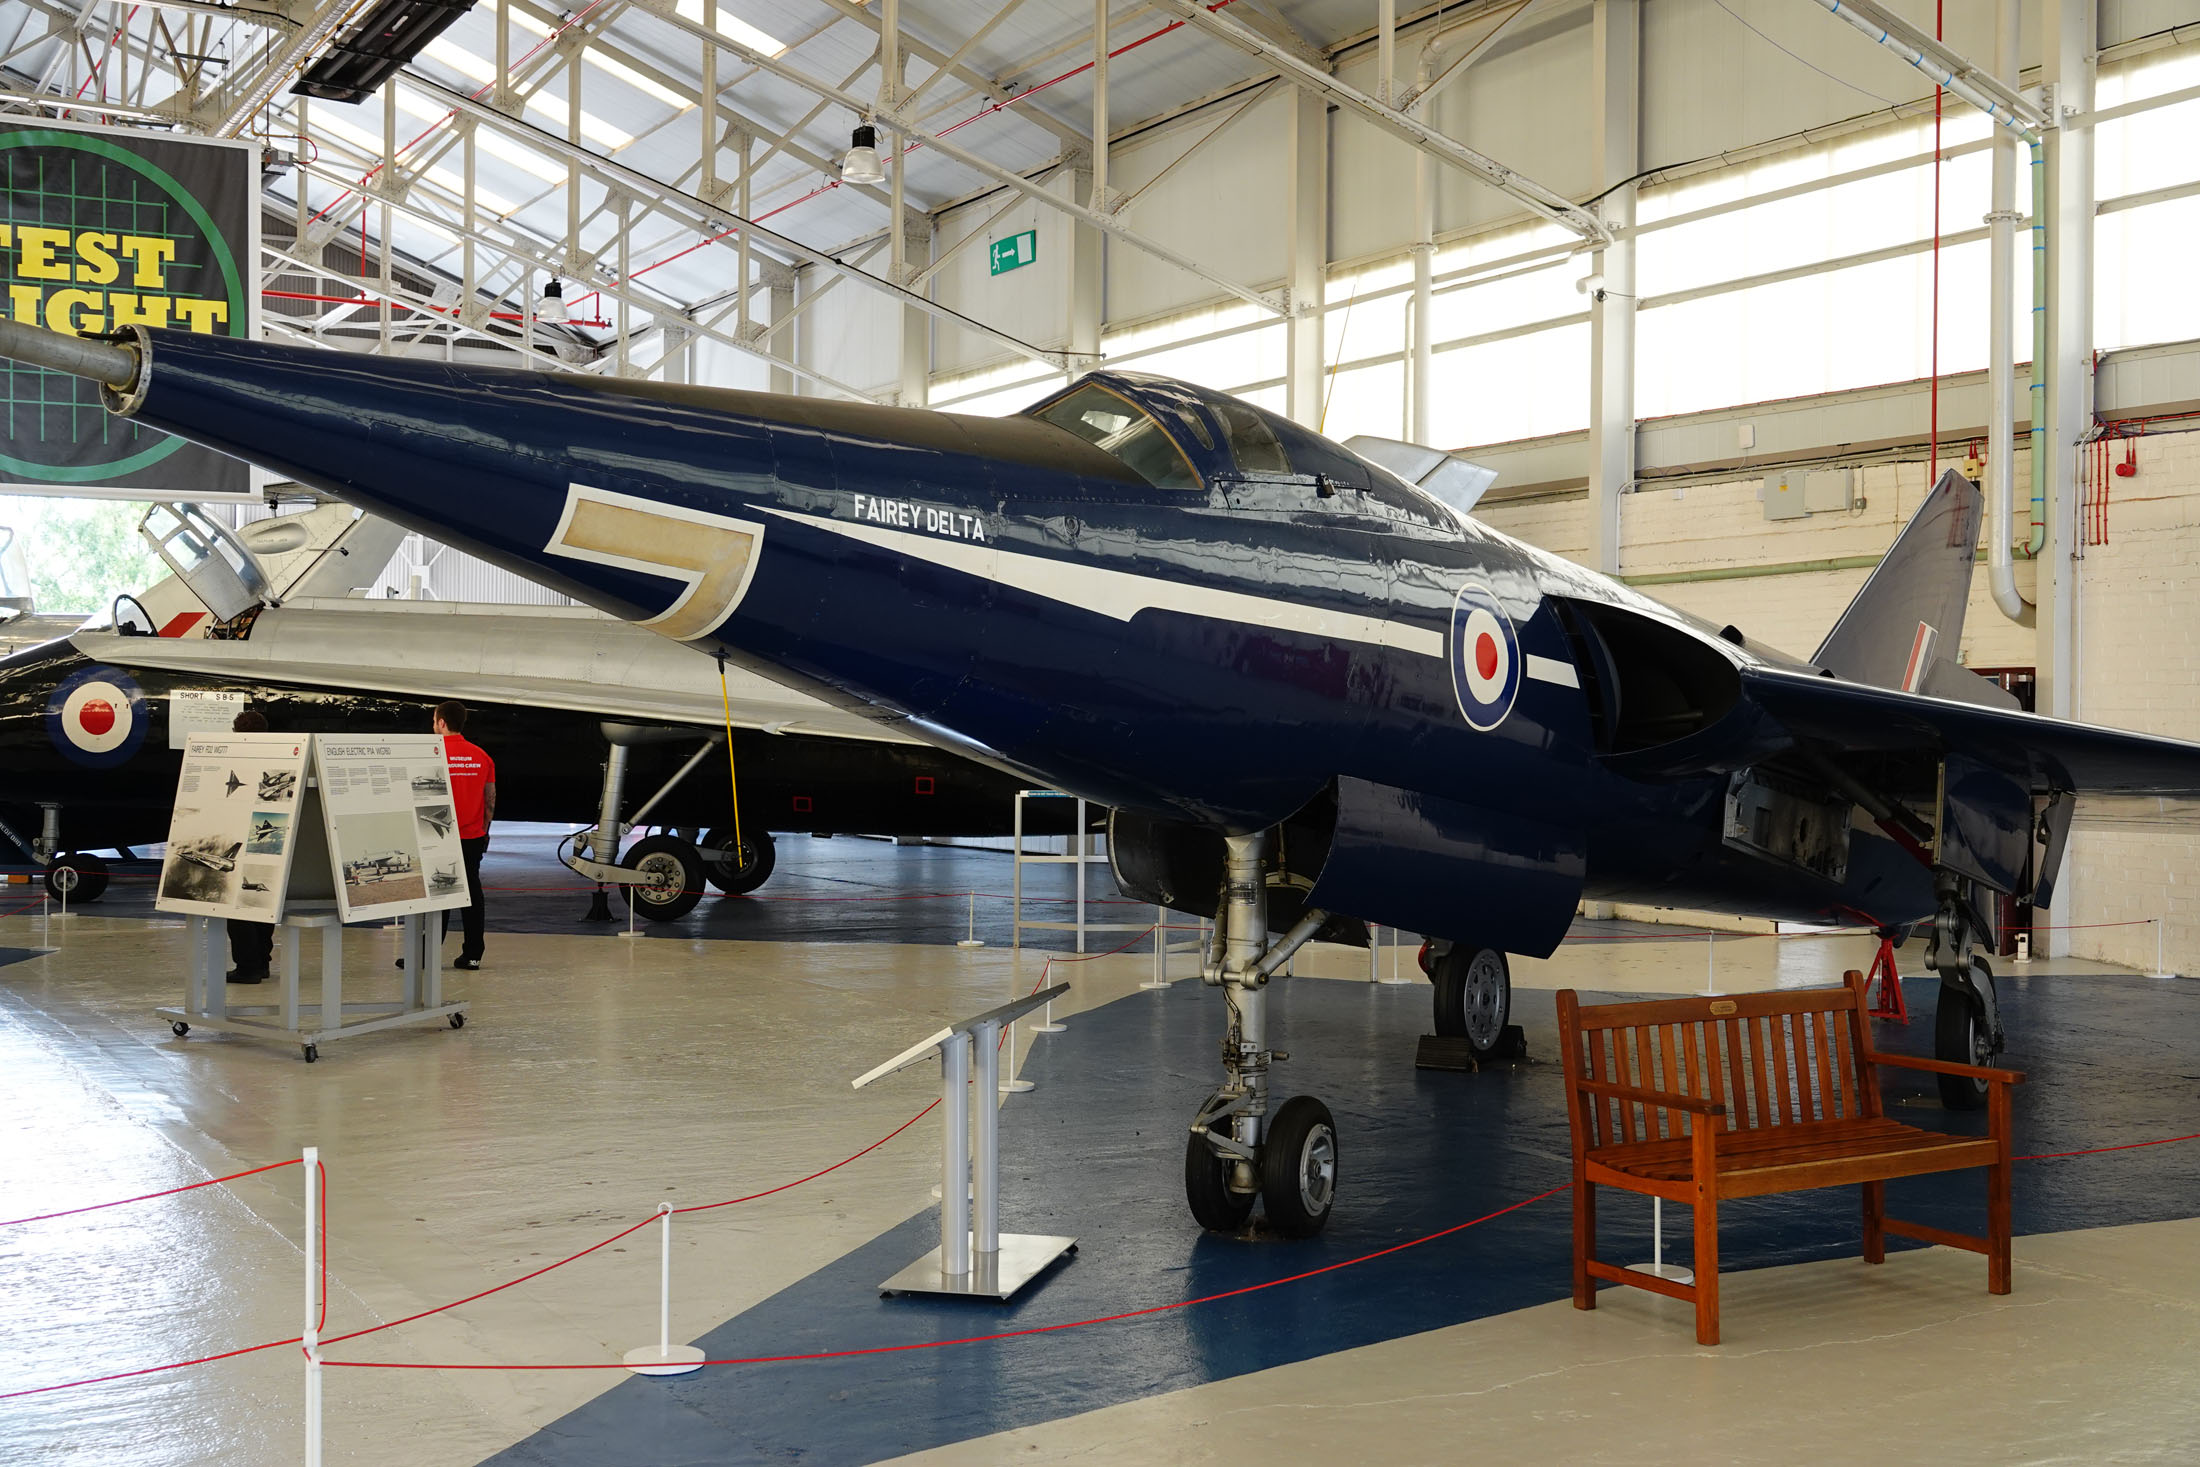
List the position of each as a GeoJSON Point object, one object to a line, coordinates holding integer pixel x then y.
{"type": "Point", "coordinates": [1905, 626]}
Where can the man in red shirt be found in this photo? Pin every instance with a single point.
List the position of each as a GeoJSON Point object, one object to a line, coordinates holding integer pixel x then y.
{"type": "Point", "coordinates": [474, 801]}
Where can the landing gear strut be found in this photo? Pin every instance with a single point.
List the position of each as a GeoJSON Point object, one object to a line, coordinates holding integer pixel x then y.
{"type": "Point", "coordinates": [1967, 1020]}
{"type": "Point", "coordinates": [1239, 1150]}
{"type": "Point", "coordinates": [662, 875]}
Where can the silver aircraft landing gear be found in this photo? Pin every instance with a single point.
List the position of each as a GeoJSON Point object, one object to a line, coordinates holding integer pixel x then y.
{"type": "Point", "coordinates": [1966, 1019]}
{"type": "Point", "coordinates": [1240, 1149]}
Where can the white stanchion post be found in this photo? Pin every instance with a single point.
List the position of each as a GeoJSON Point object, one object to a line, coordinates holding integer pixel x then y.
{"type": "Point", "coordinates": [1710, 965]}
{"type": "Point", "coordinates": [1374, 953]}
{"type": "Point", "coordinates": [310, 1336]}
{"type": "Point", "coordinates": [630, 930]}
{"type": "Point", "coordinates": [664, 1357]}
{"type": "Point", "coordinates": [2159, 970]}
{"type": "Point", "coordinates": [1160, 978]}
{"type": "Point", "coordinates": [1017, 1086]}
{"type": "Point", "coordinates": [972, 939]}
{"type": "Point", "coordinates": [1657, 1266]}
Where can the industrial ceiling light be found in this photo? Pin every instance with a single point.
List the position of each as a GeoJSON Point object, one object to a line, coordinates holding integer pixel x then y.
{"type": "Point", "coordinates": [861, 165]}
{"type": "Point", "coordinates": [551, 308]}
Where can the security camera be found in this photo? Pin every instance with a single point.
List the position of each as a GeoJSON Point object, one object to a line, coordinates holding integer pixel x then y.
{"type": "Point", "coordinates": [1591, 286]}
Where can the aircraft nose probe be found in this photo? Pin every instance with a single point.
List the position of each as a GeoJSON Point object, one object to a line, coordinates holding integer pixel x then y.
{"type": "Point", "coordinates": [113, 365]}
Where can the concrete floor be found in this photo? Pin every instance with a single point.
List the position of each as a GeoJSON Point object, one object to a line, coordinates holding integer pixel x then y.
{"type": "Point", "coordinates": [600, 1076]}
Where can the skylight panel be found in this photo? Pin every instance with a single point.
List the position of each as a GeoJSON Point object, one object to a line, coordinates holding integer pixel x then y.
{"type": "Point", "coordinates": [733, 26]}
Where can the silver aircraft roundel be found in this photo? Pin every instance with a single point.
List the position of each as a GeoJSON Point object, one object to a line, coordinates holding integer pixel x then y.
{"type": "Point", "coordinates": [1485, 657]}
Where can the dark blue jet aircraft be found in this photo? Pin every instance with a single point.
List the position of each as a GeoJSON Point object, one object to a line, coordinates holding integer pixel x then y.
{"type": "Point", "coordinates": [1316, 695]}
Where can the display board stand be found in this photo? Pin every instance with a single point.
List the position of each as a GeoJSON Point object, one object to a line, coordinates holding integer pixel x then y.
{"type": "Point", "coordinates": [974, 1259]}
{"type": "Point", "coordinates": [309, 885]}
{"type": "Point", "coordinates": [331, 1016]}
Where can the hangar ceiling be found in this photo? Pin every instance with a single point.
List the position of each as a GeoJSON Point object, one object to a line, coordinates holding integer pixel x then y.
{"type": "Point", "coordinates": [588, 162]}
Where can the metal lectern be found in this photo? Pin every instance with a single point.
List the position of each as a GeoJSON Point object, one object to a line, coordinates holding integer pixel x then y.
{"type": "Point", "coordinates": [974, 1259]}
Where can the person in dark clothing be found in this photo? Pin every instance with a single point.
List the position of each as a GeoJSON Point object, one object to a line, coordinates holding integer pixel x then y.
{"type": "Point", "coordinates": [474, 801]}
{"type": "Point", "coordinates": [251, 944]}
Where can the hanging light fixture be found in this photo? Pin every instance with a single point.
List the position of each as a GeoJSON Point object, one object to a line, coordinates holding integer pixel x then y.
{"type": "Point", "coordinates": [861, 163]}
{"type": "Point", "coordinates": [551, 308]}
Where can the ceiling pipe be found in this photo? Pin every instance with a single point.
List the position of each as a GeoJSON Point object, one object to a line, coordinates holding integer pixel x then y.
{"type": "Point", "coordinates": [1435, 69]}
{"type": "Point", "coordinates": [2015, 120]}
{"type": "Point", "coordinates": [2001, 362]}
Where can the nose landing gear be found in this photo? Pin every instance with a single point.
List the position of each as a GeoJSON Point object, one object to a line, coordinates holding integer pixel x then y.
{"type": "Point", "coordinates": [1238, 1152]}
{"type": "Point", "coordinates": [1967, 1019]}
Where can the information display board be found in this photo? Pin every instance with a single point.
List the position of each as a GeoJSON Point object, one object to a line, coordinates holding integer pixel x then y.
{"type": "Point", "coordinates": [392, 827]}
{"type": "Point", "coordinates": [235, 826]}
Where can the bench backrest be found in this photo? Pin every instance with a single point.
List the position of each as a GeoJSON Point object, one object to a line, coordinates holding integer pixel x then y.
{"type": "Point", "coordinates": [1772, 1059]}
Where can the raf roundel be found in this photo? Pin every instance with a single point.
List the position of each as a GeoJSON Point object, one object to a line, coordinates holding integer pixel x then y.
{"type": "Point", "coordinates": [1485, 657]}
{"type": "Point", "coordinates": [96, 717]}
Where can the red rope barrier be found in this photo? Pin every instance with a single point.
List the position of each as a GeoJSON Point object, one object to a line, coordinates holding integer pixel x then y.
{"type": "Point", "coordinates": [1152, 1309]}
{"type": "Point", "coordinates": [2103, 1150]}
{"type": "Point", "coordinates": [1037, 1329]}
{"type": "Point", "coordinates": [321, 1168]}
{"type": "Point", "coordinates": [149, 1370]}
{"type": "Point", "coordinates": [624, 1232]}
{"type": "Point", "coordinates": [149, 1196]}
{"type": "Point", "coordinates": [813, 1176]}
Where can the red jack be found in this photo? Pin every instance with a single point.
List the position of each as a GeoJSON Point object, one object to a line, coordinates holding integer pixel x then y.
{"type": "Point", "coordinates": [1889, 1004]}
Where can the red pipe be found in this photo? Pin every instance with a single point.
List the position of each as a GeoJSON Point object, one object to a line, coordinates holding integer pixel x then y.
{"type": "Point", "coordinates": [346, 300]}
{"type": "Point", "coordinates": [1932, 474]}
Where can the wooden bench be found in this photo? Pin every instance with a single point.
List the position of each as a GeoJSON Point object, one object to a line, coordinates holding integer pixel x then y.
{"type": "Point", "coordinates": [1698, 1099]}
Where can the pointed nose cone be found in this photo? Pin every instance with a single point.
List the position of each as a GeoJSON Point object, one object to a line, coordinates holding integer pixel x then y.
{"type": "Point", "coordinates": [631, 496]}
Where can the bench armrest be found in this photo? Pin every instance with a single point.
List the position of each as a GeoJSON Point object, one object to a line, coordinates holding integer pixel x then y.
{"type": "Point", "coordinates": [1948, 1067]}
{"type": "Point", "coordinates": [1688, 1104]}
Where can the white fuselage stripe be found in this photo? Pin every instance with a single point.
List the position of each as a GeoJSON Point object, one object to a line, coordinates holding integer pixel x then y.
{"type": "Point", "coordinates": [1122, 595]}
{"type": "Point", "coordinates": [1551, 670]}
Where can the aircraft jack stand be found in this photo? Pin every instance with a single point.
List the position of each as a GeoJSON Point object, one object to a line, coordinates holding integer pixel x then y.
{"type": "Point", "coordinates": [1890, 1004]}
{"type": "Point", "coordinates": [974, 1259]}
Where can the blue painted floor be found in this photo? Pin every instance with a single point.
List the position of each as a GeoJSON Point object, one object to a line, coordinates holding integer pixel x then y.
{"type": "Point", "coordinates": [18, 954]}
{"type": "Point", "coordinates": [1097, 1151]}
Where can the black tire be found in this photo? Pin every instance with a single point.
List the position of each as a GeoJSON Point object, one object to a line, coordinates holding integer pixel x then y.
{"type": "Point", "coordinates": [1960, 1036]}
{"type": "Point", "coordinates": [81, 876]}
{"type": "Point", "coordinates": [458, 1021]}
{"type": "Point", "coordinates": [1207, 1189]}
{"type": "Point", "coordinates": [313, 1053]}
{"type": "Point", "coordinates": [675, 869]}
{"type": "Point", "coordinates": [179, 1028]}
{"type": "Point", "coordinates": [759, 853]}
{"type": "Point", "coordinates": [1298, 1167]}
{"type": "Point", "coordinates": [1474, 998]}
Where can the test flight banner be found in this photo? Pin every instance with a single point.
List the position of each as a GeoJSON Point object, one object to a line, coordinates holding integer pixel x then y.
{"type": "Point", "coordinates": [101, 228]}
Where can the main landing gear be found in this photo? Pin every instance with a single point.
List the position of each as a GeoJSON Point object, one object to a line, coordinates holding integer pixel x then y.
{"type": "Point", "coordinates": [70, 876]}
{"type": "Point", "coordinates": [662, 875]}
{"type": "Point", "coordinates": [1473, 996]}
{"type": "Point", "coordinates": [1967, 1019]}
{"type": "Point", "coordinates": [1240, 1151]}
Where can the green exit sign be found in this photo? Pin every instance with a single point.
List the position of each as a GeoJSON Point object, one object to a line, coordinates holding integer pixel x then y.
{"type": "Point", "coordinates": [1015, 252]}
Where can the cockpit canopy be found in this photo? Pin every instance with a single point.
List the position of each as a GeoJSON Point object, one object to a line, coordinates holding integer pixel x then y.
{"type": "Point", "coordinates": [1175, 435]}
